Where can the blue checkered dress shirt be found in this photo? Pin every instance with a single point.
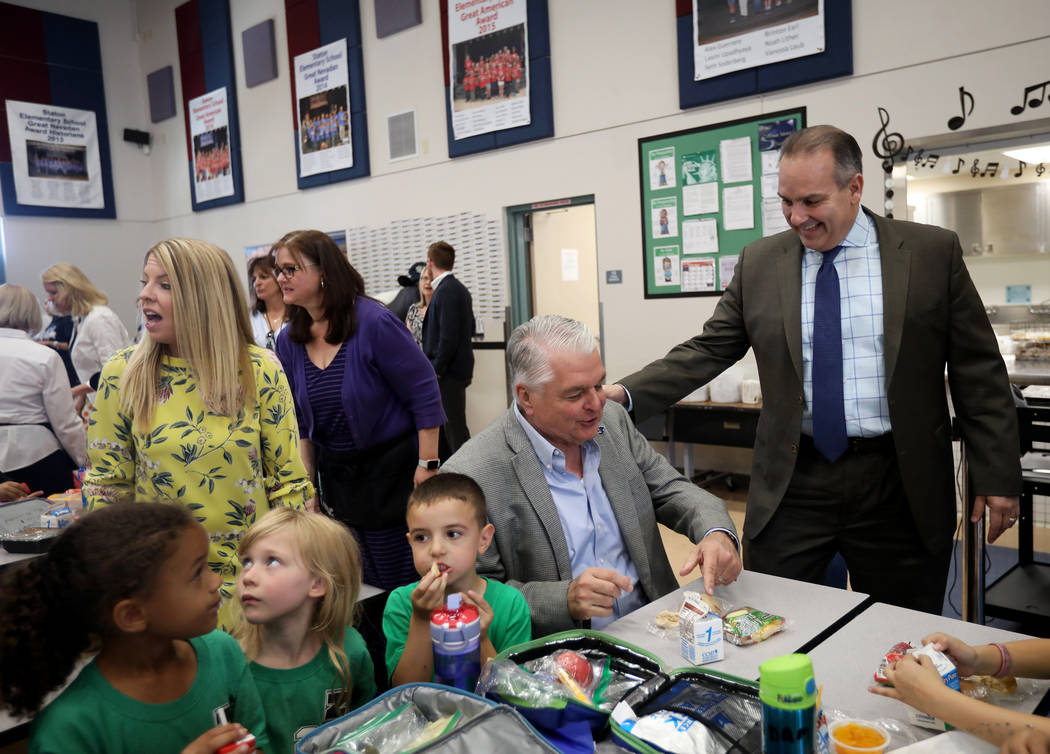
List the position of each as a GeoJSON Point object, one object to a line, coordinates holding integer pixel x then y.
{"type": "Point", "coordinates": [863, 345]}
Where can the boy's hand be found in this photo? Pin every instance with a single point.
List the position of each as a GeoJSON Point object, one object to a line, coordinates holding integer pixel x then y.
{"type": "Point", "coordinates": [915, 680]}
{"type": "Point", "coordinates": [591, 594]}
{"type": "Point", "coordinates": [429, 594]}
{"type": "Point", "coordinates": [485, 612]}
{"type": "Point", "coordinates": [962, 654]}
{"type": "Point", "coordinates": [212, 740]}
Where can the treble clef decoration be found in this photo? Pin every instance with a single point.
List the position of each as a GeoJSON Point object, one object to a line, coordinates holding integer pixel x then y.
{"type": "Point", "coordinates": [886, 144]}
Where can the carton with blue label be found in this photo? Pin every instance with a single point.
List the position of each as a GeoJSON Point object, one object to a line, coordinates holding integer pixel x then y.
{"type": "Point", "coordinates": [949, 675]}
{"type": "Point", "coordinates": [700, 631]}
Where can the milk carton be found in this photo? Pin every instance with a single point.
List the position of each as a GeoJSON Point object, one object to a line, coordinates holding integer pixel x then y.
{"type": "Point", "coordinates": [700, 631]}
{"type": "Point", "coordinates": [951, 679]}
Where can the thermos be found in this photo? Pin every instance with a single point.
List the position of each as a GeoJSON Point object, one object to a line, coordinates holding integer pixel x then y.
{"type": "Point", "coordinates": [788, 694]}
{"type": "Point", "coordinates": [456, 633]}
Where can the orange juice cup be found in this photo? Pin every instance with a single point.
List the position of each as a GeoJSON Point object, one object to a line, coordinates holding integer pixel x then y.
{"type": "Point", "coordinates": [858, 737]}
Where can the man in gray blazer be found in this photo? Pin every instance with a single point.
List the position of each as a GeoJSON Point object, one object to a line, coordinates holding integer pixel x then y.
{"type": "Point", "coordinates": [575, 491]}
{"type": "Point", "coordinates": [860, 463]}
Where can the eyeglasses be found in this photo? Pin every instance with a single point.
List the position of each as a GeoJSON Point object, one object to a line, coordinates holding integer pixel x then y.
{"type": "Point", "coordinates": [291, 270]}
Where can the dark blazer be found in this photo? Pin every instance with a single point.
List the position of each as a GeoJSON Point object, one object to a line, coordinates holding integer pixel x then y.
{"type": "Point", "coordinates": [529, 550]}
{"type": "Point", "coordinates": [932, 318]}
{"type": "Point", "coordinates": [448, 328]}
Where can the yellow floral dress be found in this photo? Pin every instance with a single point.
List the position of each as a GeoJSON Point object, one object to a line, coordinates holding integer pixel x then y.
{"type": "Point", "coordinates": [226, 470]}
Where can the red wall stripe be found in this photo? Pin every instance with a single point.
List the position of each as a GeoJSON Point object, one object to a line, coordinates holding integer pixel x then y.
{"type": "Point", "coordinates": [303, 24]}
{"type": "Point", "coordinates": [191, 60]}
{"type": "Point", "coordinates": [23, 64]}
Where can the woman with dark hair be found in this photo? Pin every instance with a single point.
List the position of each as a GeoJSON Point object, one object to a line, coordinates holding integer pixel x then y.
{"type": "Point", "coordinates": [268, 312]}
{"type": "Point", "coordinates": [366, 398]}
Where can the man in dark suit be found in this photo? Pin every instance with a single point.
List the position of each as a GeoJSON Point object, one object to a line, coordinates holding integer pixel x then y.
{"type": "Point", "coordinates": [447, 330]}
{"type": "Point", "coordinates": [575, 491]}
{"type": "Point", "coordinates": [853, 319]}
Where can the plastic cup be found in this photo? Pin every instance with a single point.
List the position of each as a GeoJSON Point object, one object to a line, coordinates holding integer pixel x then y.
{"type": "Point", "coordinates": [863, 727]}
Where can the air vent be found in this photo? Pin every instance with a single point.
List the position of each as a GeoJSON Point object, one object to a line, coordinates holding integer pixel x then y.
{"type": "Point", "coordinates": [401, 135]}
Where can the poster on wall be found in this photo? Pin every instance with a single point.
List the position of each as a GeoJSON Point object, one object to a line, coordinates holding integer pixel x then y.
{"type": "Point", "coordinates": [734, 35]}
{"type": "Point", "coordinates": [488, 55]}
{"type": "Point", "coordinates": [322, 95]}
{"type": "Point", "coordinates": [210, 132]}
{"type": "Point", "coordinates": [54, 156]}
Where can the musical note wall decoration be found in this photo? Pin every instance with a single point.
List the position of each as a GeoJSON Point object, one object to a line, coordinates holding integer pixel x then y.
{"type": "Point", "coordinates": [1021, 164]}
{"type": "Point", "coordinates": [956, 122]}
{"type": "Point", "coordinates": [958, 165]}
{"type": "Point", "coordinates": [1030, 98]}
{"type": "Point", "coordinates": [887, 144]}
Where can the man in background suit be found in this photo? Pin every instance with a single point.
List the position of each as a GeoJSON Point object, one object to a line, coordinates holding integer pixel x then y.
{"type": "Point", "coordinates": [853, 448]}
{"type": "Point", "coordinates": [575, 491]}
{"type": "Point", "coordinates": [447, 330]}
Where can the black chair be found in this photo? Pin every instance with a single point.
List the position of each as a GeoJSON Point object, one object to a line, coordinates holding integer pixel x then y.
{"type": "Point", "coordinates": [1023, 593]}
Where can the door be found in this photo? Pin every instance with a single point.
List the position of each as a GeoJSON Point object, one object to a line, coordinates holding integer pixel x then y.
{"type": "Point", "coordinates": [563, 262]}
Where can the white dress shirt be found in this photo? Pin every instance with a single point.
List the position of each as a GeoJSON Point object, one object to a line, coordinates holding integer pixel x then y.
{"type": "Point", "coordinates": [34, 389]}
{"type": "Point", "coordinates": [96, 336]}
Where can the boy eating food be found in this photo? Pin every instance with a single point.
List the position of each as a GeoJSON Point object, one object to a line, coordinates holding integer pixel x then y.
{"type": "Point", "coordinates": [447, 530]}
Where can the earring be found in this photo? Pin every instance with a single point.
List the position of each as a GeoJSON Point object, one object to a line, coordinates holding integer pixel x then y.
{"type": "Point", "coordinates": [322, 282]}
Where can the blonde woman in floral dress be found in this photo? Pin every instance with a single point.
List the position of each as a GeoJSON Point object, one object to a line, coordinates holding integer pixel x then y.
{"type": "Point", "coordinates": [196, 413]}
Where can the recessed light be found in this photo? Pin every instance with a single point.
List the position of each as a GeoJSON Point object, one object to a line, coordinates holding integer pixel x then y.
{"type": "Point", "coordinates": [1031, 155]}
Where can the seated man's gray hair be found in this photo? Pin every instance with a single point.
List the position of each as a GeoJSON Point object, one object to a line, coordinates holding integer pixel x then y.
{"type": "Point", "coordinates": [530, 345]}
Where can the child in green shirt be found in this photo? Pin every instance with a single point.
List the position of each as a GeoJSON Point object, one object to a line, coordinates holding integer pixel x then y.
{"type": "Point", "coordinates": [298, 587]}
{"type": "Point", "coordinates": [448, 529]}
{"type": "Point", "coordinates": [134, 579]}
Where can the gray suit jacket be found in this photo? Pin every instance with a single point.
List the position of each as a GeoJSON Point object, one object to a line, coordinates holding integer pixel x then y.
{"type": "Point", "coordinates": [932, 318]}
{"type": "Point", "coordinates": [529, 551]}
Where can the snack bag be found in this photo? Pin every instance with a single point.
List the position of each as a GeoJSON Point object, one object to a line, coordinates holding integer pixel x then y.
{"type": "Point", "coordinates": [895, 653]}
{"type": "Point", "coordinates": [746, 625]}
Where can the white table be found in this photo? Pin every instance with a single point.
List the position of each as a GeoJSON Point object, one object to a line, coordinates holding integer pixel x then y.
{"type": "Point", "coordinates": [845, 662]}
{"type": "Point", "coordinates": [808, 608]}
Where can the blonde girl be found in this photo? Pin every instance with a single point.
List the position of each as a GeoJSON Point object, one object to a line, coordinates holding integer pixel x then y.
{"type": "Point", "coordinates": [131, 583]}
{"type": "Point", "coordinates": [298, 591]}
{"type": "Point", "coordinates": [196, 413]}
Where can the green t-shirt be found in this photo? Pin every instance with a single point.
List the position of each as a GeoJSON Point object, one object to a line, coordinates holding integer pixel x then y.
{"type": "Point", "coordinates": [91, 716]}
{"type": "Point", "coordinates": [297, 700]}
{"type": "Point", "coordinates": [511, 619]}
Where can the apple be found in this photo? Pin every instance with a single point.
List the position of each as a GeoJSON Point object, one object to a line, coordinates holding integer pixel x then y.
{"type": "Point", "coordinates": [577, 666]}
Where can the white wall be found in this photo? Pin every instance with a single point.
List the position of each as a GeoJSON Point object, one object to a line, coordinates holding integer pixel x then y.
{"type": "Point", "coordinates": [614, 81]}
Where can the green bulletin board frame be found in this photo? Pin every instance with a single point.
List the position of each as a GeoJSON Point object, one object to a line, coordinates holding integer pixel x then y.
{"type": "Point", "coordinates": [687, 166]}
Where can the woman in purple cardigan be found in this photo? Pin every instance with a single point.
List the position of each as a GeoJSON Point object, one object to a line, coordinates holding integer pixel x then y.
{"type": "Point", "coordinates": [366, 398]}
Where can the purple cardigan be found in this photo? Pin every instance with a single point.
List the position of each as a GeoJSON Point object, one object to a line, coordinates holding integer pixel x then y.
{"type": "Point", "coordinates": [389, 387]}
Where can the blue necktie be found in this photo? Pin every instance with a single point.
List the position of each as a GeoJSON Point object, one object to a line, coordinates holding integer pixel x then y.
{"type": "Point", "coordinates": [829, 416]}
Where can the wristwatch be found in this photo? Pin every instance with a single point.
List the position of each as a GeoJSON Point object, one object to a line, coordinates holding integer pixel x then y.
{"type": "Point", "coordinates": [431, 465]}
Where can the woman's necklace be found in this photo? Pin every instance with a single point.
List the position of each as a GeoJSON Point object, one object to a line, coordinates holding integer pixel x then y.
{"type": "Point", "coordinates": [275, 322]}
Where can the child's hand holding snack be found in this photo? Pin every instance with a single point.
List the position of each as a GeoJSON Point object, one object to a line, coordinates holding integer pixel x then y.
{"type": "Point", "coordinates": [429, 594]}
{"type": "Point", "coordinates": [965, 657]}
{"type": "Point", "coordinates": [210, 741]}
{"type": "Point", "coordinates": [915, 681]}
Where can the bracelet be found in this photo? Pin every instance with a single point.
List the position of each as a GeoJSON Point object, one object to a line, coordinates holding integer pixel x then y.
{"type": "Point", "coordinates": [1006, 661]}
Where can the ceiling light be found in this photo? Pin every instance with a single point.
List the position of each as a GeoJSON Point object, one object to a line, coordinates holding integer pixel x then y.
{"type": "Point", "coordinates": [1031, 155]}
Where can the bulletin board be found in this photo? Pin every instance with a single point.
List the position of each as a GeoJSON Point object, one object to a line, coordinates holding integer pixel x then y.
{"type": "Point", "coordinates": [706, 193]}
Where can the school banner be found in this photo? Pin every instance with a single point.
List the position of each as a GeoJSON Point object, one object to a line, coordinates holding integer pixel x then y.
{"type": "Point", "coordinates": [54, 156]}
{"type": "Point", "coordinates": [322, 95]}
{"type": "Point", "coordinates": [210, 132]}
{"type": "Point", "coordinates": [489, 61]}
{"type": "Point", "coordinates": [734, 35]}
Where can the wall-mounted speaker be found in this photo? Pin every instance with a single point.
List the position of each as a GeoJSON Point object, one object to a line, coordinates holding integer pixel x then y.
{"type": "Point", "coordinates": [136, 137]}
